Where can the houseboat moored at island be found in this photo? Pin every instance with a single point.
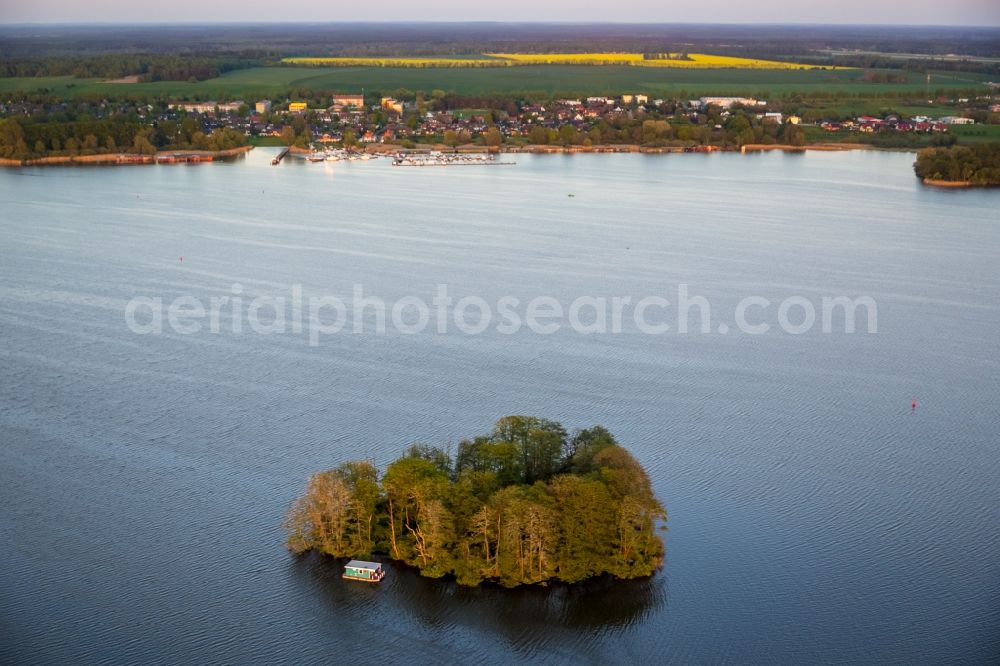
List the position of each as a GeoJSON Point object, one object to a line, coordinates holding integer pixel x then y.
{"type": "Point", "coordinates": [370, 572]}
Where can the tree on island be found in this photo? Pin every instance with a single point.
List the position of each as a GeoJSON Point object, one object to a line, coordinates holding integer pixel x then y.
{"type": "Point", "coordinates": [526, 503]}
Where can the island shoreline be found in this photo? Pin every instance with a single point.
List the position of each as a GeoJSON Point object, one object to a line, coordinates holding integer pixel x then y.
{"type": "Point", "coordinates": [952, 184]}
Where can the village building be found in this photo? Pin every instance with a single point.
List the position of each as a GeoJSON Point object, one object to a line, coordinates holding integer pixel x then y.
{"type": "Point", "coordinates": [391, 104]}
{"type": "Point", "coordinates": [348, 99]}
{"type": "Point", "coordinates": [206, 107]}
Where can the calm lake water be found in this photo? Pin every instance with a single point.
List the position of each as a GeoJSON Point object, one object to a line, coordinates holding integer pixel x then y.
{"type": "Point", "coordinates": [813, 517]}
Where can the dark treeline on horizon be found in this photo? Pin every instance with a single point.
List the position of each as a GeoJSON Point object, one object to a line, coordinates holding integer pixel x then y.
{"type": "Point", "coordinates": [290, 39]}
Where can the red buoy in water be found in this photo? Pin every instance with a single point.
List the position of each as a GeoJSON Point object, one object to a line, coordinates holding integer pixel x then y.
{"type": "Point", "coordinates": [913, 405]}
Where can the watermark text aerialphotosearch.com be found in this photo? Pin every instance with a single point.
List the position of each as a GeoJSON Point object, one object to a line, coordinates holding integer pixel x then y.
{"type": "Point", "coordinates": [317, 316]}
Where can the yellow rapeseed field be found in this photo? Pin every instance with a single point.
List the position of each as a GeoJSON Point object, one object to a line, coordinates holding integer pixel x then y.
{"type": "Point", "coordinates": [691, 61]}
{"type": "Point", "coordinates": [397, 62]}
{"type": "Point", "coordinates": [570, 58]}
{"type": "Point", "coordinates": [704, 60]}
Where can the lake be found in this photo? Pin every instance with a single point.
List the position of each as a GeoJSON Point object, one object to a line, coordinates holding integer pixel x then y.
{"type": "Point", "coordinates": [814, 516]}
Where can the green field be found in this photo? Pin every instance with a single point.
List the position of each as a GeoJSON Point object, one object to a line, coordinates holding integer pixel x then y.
{"type": "Point", "coordinates": [266, 141]}
{"type": "Point", "coordinates": [879, 107]}
{"type": "Point", "coordinates": [568, 79]}
{"type": "Point", "coordinates": [977, 133]}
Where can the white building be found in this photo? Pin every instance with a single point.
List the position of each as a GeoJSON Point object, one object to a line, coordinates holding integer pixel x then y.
{"type": "Point", "coordinates": [957, 120]}
{"type": "Point", "coordinates": [726, 102]}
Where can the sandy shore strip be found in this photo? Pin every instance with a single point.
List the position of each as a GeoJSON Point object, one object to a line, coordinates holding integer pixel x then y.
{"type": "Point", "coordinates": [950, 183]}
{"type": "Point", "coordinates": [757, 147]}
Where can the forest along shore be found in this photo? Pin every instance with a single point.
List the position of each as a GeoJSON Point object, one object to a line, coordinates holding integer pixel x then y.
{"type": "Point", "coordinates": [161, 157]}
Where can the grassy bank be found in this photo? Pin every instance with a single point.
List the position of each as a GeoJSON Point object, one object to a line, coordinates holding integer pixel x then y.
{"type": "Point", "coordinates": [266, 141]}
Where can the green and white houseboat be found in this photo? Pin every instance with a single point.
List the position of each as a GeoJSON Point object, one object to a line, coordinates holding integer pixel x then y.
{"type": "Point", "coordinates": [370, 572]}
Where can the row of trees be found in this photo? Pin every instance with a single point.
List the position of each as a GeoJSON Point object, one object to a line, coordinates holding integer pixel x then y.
{"type": "Point", "coordinates": [917, 64]}
{"type": "Point", "coordinates": [524, 504]}
{"type": "Point", "coordinates": [733, 132]}
{"type": "Point", "coordinates": [978, 164]}
{"type": "Point", "coordinates": [893, 139]}
{"type": "Point", "coordinates": [148, 67]}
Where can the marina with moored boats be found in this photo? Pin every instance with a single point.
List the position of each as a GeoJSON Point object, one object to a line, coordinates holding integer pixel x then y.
{"type": "Point", "coordinates": [437, 158]}
{"type": "Point", "coordinates": [338, 155]}
{"type": "Point", "coordinates": [401, 158]}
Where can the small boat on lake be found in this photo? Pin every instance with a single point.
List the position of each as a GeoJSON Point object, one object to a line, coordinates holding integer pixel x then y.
{"type": "Point", "coordinates": [370, 572]}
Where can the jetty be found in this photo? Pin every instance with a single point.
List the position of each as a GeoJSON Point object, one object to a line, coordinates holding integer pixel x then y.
{"type": "Point", "coordinates": [280, 156]}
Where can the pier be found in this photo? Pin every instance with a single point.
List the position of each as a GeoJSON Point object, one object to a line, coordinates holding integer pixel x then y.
{"type": "Point", "coordinates": [280, 156]}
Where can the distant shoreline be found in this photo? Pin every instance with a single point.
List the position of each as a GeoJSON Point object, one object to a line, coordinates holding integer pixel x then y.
{"type": "Point", "coordinates": [174, 156]}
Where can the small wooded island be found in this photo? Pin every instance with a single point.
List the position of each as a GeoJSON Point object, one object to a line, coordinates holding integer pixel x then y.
{"type": "Point", "coordinates": [524, 504]}
{"type": "Point", "coordinates": [960, 166]}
